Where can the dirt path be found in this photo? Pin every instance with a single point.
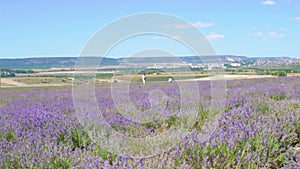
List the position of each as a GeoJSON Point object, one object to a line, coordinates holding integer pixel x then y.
{"type": "Point", "coordinates": [12, 82]}
{"type": "Point", "coordinates": [229, 77]}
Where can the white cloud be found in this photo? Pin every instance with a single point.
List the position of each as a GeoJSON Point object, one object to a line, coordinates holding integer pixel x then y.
{"type": "Point", "coordinates": [268, 35]}
{"type": "Point", "coordinates": [272, 34]}
{"type": "Point", "coordinates": [268, 2]}
{"type": "Point", "coordinates": [258, 34]}
{"type": "Point", "coordinates": [196, 24]}
{"type": "Point", "coordinates": [215, 36]}
{"type": "Point", "coordinates": [296, 19]}
{"type": "Point", "coordinates": [276, 35]}
{"type": "Point", "coordinates": [179, 36]}
{"type": "Point", "coordinates": [203, 25]}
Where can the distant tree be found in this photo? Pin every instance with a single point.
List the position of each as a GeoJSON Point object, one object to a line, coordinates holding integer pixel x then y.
{"type": "Point", "coordinates": [281, 74]}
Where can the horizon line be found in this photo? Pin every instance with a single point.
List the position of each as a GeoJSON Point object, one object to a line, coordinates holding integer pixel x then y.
{"type": "Point", "coordinates": [122, 57]}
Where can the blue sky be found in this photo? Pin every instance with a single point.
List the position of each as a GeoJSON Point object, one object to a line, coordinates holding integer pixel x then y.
{"type": "Point", "coordinates": [61, 28]}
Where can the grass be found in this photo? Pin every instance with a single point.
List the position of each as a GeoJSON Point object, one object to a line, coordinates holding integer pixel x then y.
{"type": "Point", "coordinates": [32, 88]}
{"type": "Point", "coordinates": [2, 104]}
{"type": "Point", "coordinates": [161, 77]}
{"type": "Point", "coordinates": [6, 84]}
{"type": "Point", "coordinates": [42, 80]}
{"type": "Point", "coordinates": [104, 76]}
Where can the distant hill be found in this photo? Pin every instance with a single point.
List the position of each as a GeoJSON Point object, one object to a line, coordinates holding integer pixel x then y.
{"type": "Point", "coordinates": [46, 63]}
{"type": "Point", "coordinates": [69, 62]}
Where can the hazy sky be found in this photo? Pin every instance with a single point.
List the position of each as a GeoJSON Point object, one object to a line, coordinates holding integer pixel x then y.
{"type": "Point", "coordinates": [61, 28]}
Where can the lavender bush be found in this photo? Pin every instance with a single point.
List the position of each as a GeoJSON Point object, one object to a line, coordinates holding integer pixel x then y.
{"type": "Point", "coordinates": [259, 128]}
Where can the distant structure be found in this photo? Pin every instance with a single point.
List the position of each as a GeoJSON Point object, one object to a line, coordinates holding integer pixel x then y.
{"type": "Point", "coordinates": [170, 80]}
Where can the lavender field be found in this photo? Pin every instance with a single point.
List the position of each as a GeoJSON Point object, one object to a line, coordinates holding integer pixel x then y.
{"type": "Point", "coordinates": [258, 128]}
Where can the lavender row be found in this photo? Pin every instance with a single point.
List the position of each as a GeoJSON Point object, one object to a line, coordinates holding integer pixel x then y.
{"type": "Point", "coordinates": [258, 128]}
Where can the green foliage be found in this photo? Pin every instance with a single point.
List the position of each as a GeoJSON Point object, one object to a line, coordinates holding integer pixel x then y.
{"type": "Point", "coordinates": [276, 157]}
{"type": "Point", "coordinates": [62, 138]}
{"type": "Point", "coordinates": [151, 71]}
{"type": "Point", "coordinates": [230, 107]}
{"type": "Point", "coordinates": [24, 71]}
{"type": "Point", "coordinates": [164, 124]}
{"type": "Point", "coordinates": [172, 121]}
{"type": "Point", "coordinates": [263, 108]}
{"type": "Point", "coordinates": [201, 118]}
{"type": "Point", "coordinates": [153, 124]}
{"type": "Point", "coordinates": [273, 72]}
{"type": "Point", "coordinates": [9, 135]}
{"type": "Point", "coordinates": [116, 127]}
{"type": "Point", "coordinates": [225, 156]}
{"type": "Point", "coordinates": [80, 138]}
{"type": "Point", "coordinates": [12, 162]}
{"type": "Point", "coordinates": [297, 128]}
{"type": "Point", "coordinates": [67, 112]}
{"type": "Point", "coordinates": [105, 155]}
{"type": "Point", "coordinates": [281, 74]}
{"type": "Point", "coordinates": [104, 76]}
{"type": "Point", "coordinates": [59, 162]}
{"type": "Point", "coordinates": [279, 96]}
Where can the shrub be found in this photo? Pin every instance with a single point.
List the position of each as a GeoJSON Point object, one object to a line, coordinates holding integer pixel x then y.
{"type": "Point", "coordinates": [281, 74]}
